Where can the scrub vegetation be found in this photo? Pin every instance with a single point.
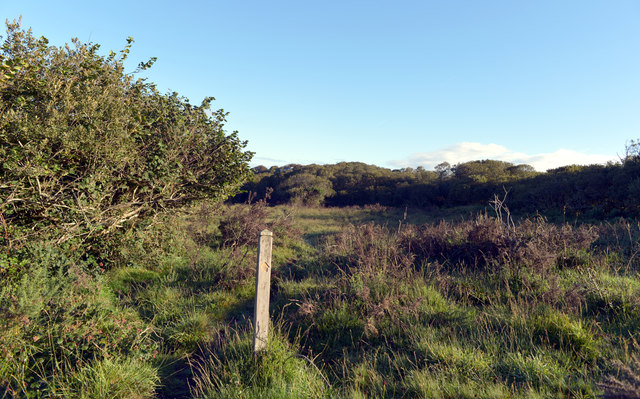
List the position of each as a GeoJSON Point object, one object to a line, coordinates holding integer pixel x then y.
{"type": "Point", "coordinates": [125, 274]}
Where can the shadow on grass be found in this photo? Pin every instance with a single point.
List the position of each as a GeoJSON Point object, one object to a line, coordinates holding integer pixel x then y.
{"type": "Point", "coordinates": [175, 378]}
{"type": "Point", "coordinates": [302, 269]}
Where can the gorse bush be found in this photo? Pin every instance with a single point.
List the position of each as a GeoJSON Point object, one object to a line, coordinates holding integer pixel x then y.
{"type": "Point", "coordinates": [87, 148]}
{"type": "Point", "coordinates": [89, 154]}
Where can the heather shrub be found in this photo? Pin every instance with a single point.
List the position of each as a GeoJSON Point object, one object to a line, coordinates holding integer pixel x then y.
{"type": "Point", "coordinates": [372, 273]}
{"type": "Point", "coordinates": [240, 227]}
{"type": "Point", "coordinates": [488, 242]}
{"type": "Point", "coordinates": [369, 250]}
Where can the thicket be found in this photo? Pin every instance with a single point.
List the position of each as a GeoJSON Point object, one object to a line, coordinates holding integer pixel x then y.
{"type": "Point", "coordinates": [88, 149]}
{"type": "Point", "coordinates": [589, 192]}
{"type": "Point", "coordinates": [89, 156]}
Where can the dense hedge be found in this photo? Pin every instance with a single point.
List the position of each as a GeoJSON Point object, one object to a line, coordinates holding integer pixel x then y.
{"type": "Point", "coordinates": [87, 148]}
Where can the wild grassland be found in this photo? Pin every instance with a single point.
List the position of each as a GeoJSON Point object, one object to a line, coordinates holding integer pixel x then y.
{"type": "Point", "coordinates": [366, 302]}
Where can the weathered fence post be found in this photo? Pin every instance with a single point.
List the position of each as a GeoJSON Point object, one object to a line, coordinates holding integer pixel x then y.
{"type": "Point", "coordinates": [263, 281]}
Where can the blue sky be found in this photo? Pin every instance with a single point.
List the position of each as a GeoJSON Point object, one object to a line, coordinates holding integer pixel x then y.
{"type": "Point", "coordinates": [403, 83]}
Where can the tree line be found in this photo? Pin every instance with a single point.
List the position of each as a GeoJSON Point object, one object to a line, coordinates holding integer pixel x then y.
{"type": "Point", "coordinates": [592, 191]}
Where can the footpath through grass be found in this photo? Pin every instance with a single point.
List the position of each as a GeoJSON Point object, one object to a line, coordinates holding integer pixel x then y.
{"type": "Point", "coordinates": [366, 303]}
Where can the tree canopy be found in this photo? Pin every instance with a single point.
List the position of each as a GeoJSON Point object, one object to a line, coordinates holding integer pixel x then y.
{"type": "Point", "coordinates": [594, 191]}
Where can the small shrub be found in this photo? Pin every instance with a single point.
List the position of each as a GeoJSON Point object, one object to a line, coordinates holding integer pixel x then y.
{"type": "Point", "coordinates": [373, 273]}
{"type": "Point", "coordinates": [241, 225]}
{"type": "Point", "coordinates": [488, 242]}
{"type": "Point", "coordinates": [240, 228]}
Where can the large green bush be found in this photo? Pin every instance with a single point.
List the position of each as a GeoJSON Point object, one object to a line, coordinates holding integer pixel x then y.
{"type": "Point", "coordinates": [86, 148]}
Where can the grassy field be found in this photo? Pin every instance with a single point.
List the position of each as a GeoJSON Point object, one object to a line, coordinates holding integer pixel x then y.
{"type": "Point", "coordinates": [366, 303]}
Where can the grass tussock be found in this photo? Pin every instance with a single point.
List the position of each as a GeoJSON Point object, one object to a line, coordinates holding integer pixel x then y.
{"type": "Point", "coordinates": [228, 368]}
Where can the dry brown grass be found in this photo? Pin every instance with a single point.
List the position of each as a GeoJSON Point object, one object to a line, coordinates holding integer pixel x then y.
{"type": "Point", "coordinates": [624, 381]}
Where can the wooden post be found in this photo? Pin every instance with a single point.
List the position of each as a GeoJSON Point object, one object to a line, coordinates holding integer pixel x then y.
{"type": "Point", "coordinates": [263, 281]}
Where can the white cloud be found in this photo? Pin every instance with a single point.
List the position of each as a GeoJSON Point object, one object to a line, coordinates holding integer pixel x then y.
{"type": "Point", "coordinates": [265, 161]}
{"type": "Point", "coordinates": [465, 152]}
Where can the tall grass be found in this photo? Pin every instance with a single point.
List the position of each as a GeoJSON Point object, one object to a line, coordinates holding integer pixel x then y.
{"type": "Point", "coordinates": [229, 369]}
{"type": "Point", "coordinates": [61, 327]}
{"type": "Point", "coordinates": [366, 304]}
